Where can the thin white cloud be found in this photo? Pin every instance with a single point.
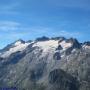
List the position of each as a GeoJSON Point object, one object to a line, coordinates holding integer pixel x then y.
{"type": "Point", "coordinates": [8, 25]}
{"type": "Point", "coordinates": [16, 30]}
{"type": "Point", "coordinates": [67, 34]}
{"type": "Point", "coordinates": [53, 32]}
{"type": "Point", "coordinates": [70, 34]}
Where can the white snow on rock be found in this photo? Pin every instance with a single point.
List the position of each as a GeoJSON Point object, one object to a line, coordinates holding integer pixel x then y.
{"type": "Point", "coordinates": [52, 45]}
{"type": "Point", "coordinates": [18, 47]}
{"type": "Point", "coordinates": [65, 45]}
{"type": "Point", "coordinates": [86, 46]}
{"type": "Point", "coordinates": [18, 43]}
{"type": "Point", "coordinates": [47, 45]}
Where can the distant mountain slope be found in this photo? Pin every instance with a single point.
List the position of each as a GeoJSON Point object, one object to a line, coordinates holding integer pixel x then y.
{"type": "Point", "coordinates": [46, 64]}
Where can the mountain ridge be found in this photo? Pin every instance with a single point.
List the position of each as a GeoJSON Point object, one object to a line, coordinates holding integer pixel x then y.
{"type": "Point", "coordinates": [44, 38]}
{"type": "Point", "coordinates": [46, 64]}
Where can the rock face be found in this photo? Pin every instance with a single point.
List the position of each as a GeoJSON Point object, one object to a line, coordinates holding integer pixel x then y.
{"type": "Point", "coordinates": [42, 38]}
{"type": "Point", "coordinates": [46, 64]}
{"type": "Point", "coordinates": [62, 81]}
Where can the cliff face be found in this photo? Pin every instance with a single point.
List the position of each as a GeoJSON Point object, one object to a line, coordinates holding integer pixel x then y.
{"type": "Point", "coordinates": [46, 64]}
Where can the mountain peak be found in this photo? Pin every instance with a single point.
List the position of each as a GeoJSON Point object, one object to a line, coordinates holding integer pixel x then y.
{"type": "Point", "coordinates": [19, 41]}
{"type": "Point", "coordinates": [74, 42]}
{"type": "Point", "coordinates": [43, 38]}
{"type": "Point", "coordinates": [71, 40]}
{"type": "Point", "coordinates": [87, 43]}
{"type": "Point", "coordinates": [58, 38]}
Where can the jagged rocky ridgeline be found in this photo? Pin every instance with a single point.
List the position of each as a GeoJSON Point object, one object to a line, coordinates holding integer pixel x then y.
{"type": "Point", "coordinates": [46, 64]}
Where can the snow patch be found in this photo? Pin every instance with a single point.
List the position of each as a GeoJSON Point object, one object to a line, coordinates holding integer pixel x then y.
{"type": "Point", "coordinates": [65, 45]}
{"type": "Point", "coordinates": [18, 47]}
{"type": "Point", "coordinates": [86, 46]}
{"type": "Point", "coordinates": [47, 45]}
{"type": "Point", "coordinates": [18, 43]}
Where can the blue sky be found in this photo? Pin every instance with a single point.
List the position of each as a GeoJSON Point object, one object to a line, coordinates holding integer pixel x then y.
{"type": "Point", "coordinates": [28, 19]}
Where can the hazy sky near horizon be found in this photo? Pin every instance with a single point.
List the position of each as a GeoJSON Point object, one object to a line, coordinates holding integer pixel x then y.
{"type": "Point", "coordinates": [28, 19]}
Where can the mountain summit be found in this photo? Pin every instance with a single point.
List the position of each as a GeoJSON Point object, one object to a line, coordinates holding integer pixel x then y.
{"type": "Point", "coordinates": [46, 64]}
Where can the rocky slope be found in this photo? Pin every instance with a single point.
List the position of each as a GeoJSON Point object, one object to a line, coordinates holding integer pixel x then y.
{"type": "Point", "coordinates": [46, 64]}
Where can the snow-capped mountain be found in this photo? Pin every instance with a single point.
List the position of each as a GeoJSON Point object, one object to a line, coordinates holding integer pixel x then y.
{"type": "Point", "coordinates": [19, 45]}
{"type": "Point", "coordinates": [46, 64]}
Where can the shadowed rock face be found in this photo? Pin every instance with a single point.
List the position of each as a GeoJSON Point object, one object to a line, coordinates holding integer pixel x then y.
{"type": "Point", "coordinates": [57, 56]}
{"type": "Point", "coordinates": [49, 66]}
{"type": "Point", "coordinates": [87, 43]}
{"type": "Point", "coordinates": [58, 38]}
{"type": "Point", "coordinates": [59, 47]}
{"type": "Point", "coordinates": [75, 43]}
{"type": "Point", "coordinates": [62, 80]}
{"type": "Point", "coordinates": [42, 38]}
